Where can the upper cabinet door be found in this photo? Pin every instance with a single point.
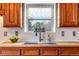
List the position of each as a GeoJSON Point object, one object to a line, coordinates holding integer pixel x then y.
{"type": "Point", "coordinates": [12, 15]}
{"type": "Point", "coordinates": [1, 9]}
{"type": "Point", "coordinates": [68, 13]}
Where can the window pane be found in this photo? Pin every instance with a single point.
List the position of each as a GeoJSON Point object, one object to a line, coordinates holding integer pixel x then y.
{"type": "Point", "coordinates": [39, 13]}
{"type": "Point", "coordinates": [43, 24]}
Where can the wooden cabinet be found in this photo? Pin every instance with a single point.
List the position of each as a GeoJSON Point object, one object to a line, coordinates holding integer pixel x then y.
{"type": "Point", "coordinates": [39, 51]}
{"type": "Point", "coordinates": [69, 52]}
{"type": "Point", "coordinates": [49, 52]}
{"type": "Point", "coordinates": [0, 6]}
{"type": "Point", "coordinates": [1, 9]}
{"type": "Point", "coordinates": [9, 52]}
{"type": "Point", "coordinates": [30, 52]}
{"type": "Point", "coordinates": [68, 15]}
{"type": "Point", "coordinates": [12, 15]}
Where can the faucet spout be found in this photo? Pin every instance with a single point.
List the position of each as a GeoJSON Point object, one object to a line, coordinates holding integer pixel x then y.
{"type": "Point", "coordinates": [39, 30]}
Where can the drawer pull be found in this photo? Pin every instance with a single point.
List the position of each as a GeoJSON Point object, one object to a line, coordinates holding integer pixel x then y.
{"type": "Point", "coordinates": [61, 52]}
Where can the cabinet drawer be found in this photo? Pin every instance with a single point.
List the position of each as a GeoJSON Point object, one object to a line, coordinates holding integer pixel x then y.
{"type": "Point", "coordinates": [9, 52]}
{"type": "Point", "coordinates": [49, 52]}
{"type": "Point", "coordinates": [69, 52]}
{"type": "Point", "coordinates": [30, 52]}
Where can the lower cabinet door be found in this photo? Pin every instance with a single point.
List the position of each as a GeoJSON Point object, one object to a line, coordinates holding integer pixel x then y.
{"type": "Point", "coordinates": [30, 52]}
{"type": "Point", "coordinates": [9, 52]}
{"type": "Point", "coordinates": [48, 52]}
{"type": "Point", "coordinates": [69, 52]}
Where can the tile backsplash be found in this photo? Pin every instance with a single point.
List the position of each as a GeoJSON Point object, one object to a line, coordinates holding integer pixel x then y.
{"type": "Point", "coordinates": [69, 35]}
{"type": "Point", "coordinates": [61, 34]}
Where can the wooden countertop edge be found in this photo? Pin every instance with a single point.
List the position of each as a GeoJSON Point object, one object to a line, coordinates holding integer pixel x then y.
{"type": "Point", "coordinates": [40, 46]}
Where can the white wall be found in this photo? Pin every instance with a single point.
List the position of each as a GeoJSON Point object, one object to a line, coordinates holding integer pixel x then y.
{"type": "Point", "coordinates": [31, 36]}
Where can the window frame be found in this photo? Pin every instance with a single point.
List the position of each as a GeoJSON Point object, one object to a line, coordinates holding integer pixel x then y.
{"type": "Point", "coordinates": [53, 19]}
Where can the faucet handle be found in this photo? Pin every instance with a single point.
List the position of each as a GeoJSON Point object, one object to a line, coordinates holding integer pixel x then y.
{"type": "Point", "coordinates": [35, 30]}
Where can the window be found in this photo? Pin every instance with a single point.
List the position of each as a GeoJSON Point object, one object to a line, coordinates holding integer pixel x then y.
{"type": "Point", "coordinates": [42, 14]}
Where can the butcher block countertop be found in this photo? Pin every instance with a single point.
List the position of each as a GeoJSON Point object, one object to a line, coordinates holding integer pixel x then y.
{"type": "Point", "coordinates": [60, 44]}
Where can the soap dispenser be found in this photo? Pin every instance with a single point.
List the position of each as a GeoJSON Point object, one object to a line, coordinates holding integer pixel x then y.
{"type": "Point", "coordinates": [49, 38]}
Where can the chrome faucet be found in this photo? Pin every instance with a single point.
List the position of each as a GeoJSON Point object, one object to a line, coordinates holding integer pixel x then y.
{"type": "Point", "coordinates": [39, 30]}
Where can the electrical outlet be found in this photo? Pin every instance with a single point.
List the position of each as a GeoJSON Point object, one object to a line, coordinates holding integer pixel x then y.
{"type": "Point", "coordinates": [62, 33]}
{"type": "Point", "coordinates": [74, 33]}
{"type": "Point", "coordinates": [5, 33]}
{"type": "Point", "coordinates": [16, 33]}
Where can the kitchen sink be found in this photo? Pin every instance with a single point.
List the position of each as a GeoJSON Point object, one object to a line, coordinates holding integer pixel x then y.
{"type": "Point", "coordinates": [37, 43]}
